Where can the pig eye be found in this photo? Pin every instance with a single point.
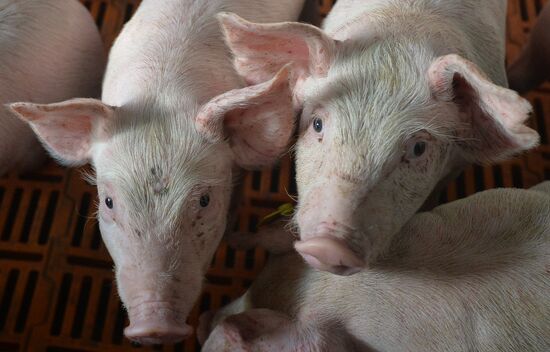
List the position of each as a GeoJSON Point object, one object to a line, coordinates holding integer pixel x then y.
{"type": "Point", "coordinates": [109, 202]}
{"type": "Point", "coordinates": [317, 125]}
{"type": "Point", "coordinates": [204, 200]}
{"type": "Point", "coordinates": [419, 148]}
{"type": "Point", "coordinates": [415, 149]}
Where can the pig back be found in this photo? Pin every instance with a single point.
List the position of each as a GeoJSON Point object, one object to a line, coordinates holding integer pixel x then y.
{"type": "Point", "coordinates": [471, 28]}
{"type": "Point", "coordinates": [469, 275]}
{"type": "Point", "coordinates": [51, 51]}
{"type": "Point", "coordinates": [175, 48]}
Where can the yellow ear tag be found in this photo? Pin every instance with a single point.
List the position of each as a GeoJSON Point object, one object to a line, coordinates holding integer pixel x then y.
{"type": "Point", "coordinates": [286, 209]}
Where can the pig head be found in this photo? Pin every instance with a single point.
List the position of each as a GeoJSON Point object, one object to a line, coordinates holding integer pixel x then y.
{"type": "Point", "coordinates": [164, 180]}
{"type": "Point", "coordinates": [383, 123]}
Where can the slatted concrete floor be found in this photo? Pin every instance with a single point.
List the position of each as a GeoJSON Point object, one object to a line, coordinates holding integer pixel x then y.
{"type": "Point", "coordinates": [56, 283]}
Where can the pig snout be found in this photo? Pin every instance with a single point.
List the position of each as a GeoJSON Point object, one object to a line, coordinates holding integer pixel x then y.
{"type": "Point", "coordinates": [156, 323]}
{"type": "Point", "coordinates": [330, 227]}
{"type": "Point", "coordinates": [331, 254]}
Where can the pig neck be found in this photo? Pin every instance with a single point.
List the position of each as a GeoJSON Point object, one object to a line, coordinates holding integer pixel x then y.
{"type": "Point", "coordinates": [472, 29]}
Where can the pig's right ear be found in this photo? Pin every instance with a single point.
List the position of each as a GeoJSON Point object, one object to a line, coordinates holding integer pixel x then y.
{"type": "Point", "coordinates": [261, 50]}
{"type": "Point", "coordinates": [257, 121]}
{"type": "Point", "coordinates": [67, 129]}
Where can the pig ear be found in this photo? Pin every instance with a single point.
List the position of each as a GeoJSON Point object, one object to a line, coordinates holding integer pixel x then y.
{"type": "Point", "coordinates": [258, 120]}
{"type": "Point", "coordinates": [494, 115]}
{"type": "Point", "coordinates": [253, 330]}
{"type": "Point", "coordinates": [262, 49]}
{"type": "Point", "coordinates": [66, 129]}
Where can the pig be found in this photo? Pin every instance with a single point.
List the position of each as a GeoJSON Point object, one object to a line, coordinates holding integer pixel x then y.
{"type": "Point", "coordinates": [51, 51]}
{"type": "Point", "coordinates": [175, 125]}
{"type": "Point", "coordinates": [470, 275]}
{"type": "Point", "coordinates": [532, 67]}
{"type": "Point", "coordinates": [396, 98]}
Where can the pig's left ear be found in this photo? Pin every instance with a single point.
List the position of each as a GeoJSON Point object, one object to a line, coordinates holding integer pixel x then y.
{"type": "Point", "coordinates": [494, 116]}
{"type": "Point", "coordinates": [254, 330]}
{"type": "Point", "coordinates": [67, 129]}
{"type": "Point", "coordinates": [258, 120]}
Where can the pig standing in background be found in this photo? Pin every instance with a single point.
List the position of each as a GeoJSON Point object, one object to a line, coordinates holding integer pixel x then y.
{"type": "Point", "coordinates": [396, 97]}
{"type": "Point", "coordinates": [50, 50]}
{"type": "Point", "coordinates": [173, 125]}
{"type": "Point", "coordinates": [533, 65]}
{"type": "Point", "coordinates": [471, 275]}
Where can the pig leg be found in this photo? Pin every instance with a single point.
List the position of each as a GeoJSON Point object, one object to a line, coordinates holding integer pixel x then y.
{"type": "Point", "coordinates": [265, 330]}
{"type": "Point", "coordinates": [533, 66]}
{"type": "Point", "coordinates": [275, 238]}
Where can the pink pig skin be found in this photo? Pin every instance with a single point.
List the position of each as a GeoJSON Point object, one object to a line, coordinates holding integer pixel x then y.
{"type": "Point", "coordinates": [471, 275]}
{"type": "Point", "coordinates": [50, 51]}
{"type": "Point", "coordinates": [396, 98]}
{"type": "Point", "coordinates": [175, 125]}
{"type": "Point", "coordinates": [532, 67]}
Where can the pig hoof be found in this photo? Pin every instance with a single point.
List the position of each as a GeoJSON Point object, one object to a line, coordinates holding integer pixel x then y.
{"type": "Point", "coordinates": [147, 333]}
{"type": "Point", "coordinates": [330, 254]}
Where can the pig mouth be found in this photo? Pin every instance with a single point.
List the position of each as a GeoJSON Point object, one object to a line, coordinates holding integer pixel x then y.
{"type": "Point", "coordinates": [156, 323]}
